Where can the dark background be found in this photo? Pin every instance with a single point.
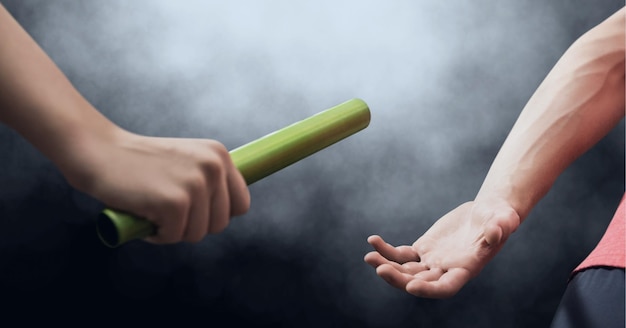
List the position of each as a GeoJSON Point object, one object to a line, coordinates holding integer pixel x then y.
{"type": "Point", "coordinates": [445, 82]}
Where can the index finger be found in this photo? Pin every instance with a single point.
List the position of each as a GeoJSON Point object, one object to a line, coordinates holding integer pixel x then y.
{"type": "Point", "coordinates": [400, 254]}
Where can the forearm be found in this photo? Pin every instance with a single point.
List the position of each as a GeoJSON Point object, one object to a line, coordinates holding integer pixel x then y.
{"type": "Point", "coordinates": [577, 104]}
{"type": "Point", "coordinates": [39, 102]}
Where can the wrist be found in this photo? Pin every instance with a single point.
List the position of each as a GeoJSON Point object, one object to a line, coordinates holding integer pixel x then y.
{"type": "Point", "coordinates": [82, 146]}
{"type": "Point", "coordinates": [520, 201]}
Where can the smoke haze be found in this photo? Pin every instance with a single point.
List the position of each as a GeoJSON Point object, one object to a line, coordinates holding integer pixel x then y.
{"type": "Point", "coordinates": [445, 82]}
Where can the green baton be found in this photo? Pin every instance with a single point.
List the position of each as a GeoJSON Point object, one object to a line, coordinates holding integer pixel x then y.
{"type": "Point", "coordinates": [258, 159]}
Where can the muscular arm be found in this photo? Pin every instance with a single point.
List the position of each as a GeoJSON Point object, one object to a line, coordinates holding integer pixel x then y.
{"type": "Point", "coordinates": [578, 103]}
{"type": "Point", "coordinates": [39, 102]}
{"type": "Point", "coordinates": [186, 187]}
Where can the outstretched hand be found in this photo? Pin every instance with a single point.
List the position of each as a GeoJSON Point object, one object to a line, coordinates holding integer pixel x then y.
{"type": "Point", "coordinates": [454, 250]}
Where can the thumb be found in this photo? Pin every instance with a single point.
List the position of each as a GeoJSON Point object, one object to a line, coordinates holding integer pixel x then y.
{"type": "Point", "coordinates": [493, 234]}
{"type": "Point", "coordinates": [501, 226]}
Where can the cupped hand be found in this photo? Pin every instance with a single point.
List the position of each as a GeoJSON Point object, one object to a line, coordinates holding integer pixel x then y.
{"type": "Point", "coordinates": [453, 251]}
{"type": "Point", "coordinates": [187, 187]}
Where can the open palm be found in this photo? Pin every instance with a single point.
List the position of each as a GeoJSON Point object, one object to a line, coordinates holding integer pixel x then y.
{"type": "Point", "coordinates": [449, 254]}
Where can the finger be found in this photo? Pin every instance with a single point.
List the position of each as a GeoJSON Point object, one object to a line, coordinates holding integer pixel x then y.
{"type": "Point", "coordinates": [500, 226]}
{"type": "Point", "coordinates": [167, 233]}
{"type": "Point", "coordinates": [446, 286]}
{"type": "Point", "coordinates": [153, 239]}
{"type": "Point", "coordinates": [413, 267]}
{"type": "Point", "coordinates": [198, 222]}
{"type": "Point", "coordinates": [375, 260]}
{"type": "Point", "coordinates": [493, 234]}
{"type": "Point", "coordinates": [220, 207]}
{"type": "Point", "coordinates": [170, 218]}
{"type": "Point", "coordinates": [238, 190]}
{"type": "Point", "coordinates": [429, 275]}
{"type": "Point", "coordinates": [400, 254]}
{"type": "Point", "coordinates": [393, 277]}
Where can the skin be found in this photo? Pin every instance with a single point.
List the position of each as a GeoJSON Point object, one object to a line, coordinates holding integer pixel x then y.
{"type": "Point", "coordinates": [187, 187]}
{"type": "Point", "coordinates": [578, 103]}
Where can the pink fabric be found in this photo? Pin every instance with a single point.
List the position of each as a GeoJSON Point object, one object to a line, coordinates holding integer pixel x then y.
{"type": "Point", "coordinates": [611, 248]}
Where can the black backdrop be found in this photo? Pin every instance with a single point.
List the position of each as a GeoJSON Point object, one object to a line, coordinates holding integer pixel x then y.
{"type": "Point", "coordinates": [445, 82]}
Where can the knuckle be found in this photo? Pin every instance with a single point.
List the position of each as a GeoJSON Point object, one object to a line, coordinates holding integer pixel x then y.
{"type": "Point", "coordinates": [196, 183]}
{"type": "Point", "coordinates": [178, 202]}
{"type": "Point", "coordinates": [212, 165]}
{"type": "Point", "coordinates": [212, 144]}
{"type": "Point", "coordinates": [217, 149]}
{"type": "Point", "coordinates": [220, 154]}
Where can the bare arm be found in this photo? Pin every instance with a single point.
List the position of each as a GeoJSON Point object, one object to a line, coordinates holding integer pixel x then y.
{"type": "Point", "coordinates": [578, 103]}
{"type": "Point", "coordinates": [39, 102]}
{"type": "Point", "coordinates": [187, 187]}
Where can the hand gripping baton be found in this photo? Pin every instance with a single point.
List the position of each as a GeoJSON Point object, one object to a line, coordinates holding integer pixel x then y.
{"type": "Point", "coordinates": [258, 159]}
